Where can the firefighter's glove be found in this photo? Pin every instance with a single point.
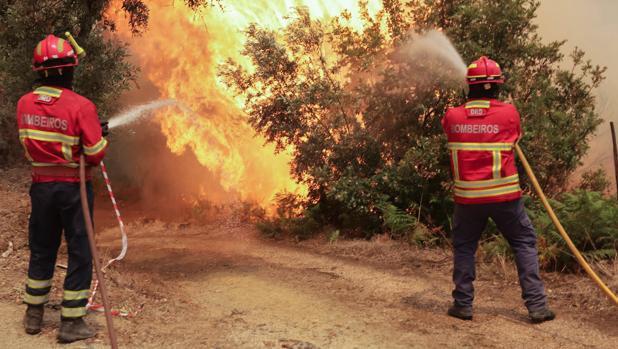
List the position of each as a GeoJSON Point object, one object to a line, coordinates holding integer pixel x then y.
{"type": "Point", "coordinates": [105, 128]}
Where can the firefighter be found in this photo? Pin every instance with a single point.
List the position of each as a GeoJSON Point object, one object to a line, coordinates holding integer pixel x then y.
{"type": "Point", "coordinates": [56, 125]}
{"type": "Point", "coordinates": [481, 136]}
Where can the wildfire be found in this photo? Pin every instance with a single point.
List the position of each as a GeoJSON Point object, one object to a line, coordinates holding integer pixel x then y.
{"type": "Point", "coordinates": [180, 53]}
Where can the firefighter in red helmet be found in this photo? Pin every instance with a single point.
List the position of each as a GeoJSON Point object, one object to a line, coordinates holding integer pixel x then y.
{"type": "Point", "coordinates": [56, 126]}
{"type": "Point", "coordinates": [481, 137]}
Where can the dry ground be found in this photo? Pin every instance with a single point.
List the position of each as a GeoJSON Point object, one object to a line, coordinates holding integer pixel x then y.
{"type": "Point", "coordinates": [220, 285]}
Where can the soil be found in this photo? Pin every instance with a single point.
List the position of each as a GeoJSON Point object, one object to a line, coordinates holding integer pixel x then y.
{"type": "Point", "coordinates": [221, 285]}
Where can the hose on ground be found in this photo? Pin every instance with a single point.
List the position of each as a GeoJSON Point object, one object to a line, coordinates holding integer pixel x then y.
{"type": "Point", "coordinates": [578, 256]}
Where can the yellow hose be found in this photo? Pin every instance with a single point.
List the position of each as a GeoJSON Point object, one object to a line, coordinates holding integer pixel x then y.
{"type": "Point", "coordinates": [561, 230]}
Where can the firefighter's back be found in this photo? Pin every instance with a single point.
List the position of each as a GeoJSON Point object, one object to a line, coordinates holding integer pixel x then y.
{"type": "Point", "coordinates": [55, 125]}
{"type": "Point", "coordinates": [481, 135]}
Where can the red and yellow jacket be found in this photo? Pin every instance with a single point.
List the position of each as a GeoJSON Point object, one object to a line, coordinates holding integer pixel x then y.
{"type": "Point", "coordinates": [55, 126]}
{"type": "Point", "coordinates": [481, 137]}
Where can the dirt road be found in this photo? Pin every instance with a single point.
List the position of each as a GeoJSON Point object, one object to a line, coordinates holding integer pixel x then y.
{"type": "Point", "coordinates": [232, 290]}
{"type": "Point", "coordinates": [222, 286]}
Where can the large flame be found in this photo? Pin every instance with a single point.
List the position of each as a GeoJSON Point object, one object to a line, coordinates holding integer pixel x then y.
{"type": "Point", "coordinates": [180, 53]}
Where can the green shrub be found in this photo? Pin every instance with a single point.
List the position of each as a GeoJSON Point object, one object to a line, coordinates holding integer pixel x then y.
{"type": "Point", "coordinates": [291, 219]}
{"type": "Point", "coordinates": [270, 228]}
{"type": "Point", "coordinates": [401, 224]}
{"type": "Point", "coordinates": [590, 219]}
{"type": "Point", "coordinates": [595, 180]}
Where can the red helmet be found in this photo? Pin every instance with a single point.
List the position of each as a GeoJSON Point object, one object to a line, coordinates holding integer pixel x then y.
{"type": "Point", "coordinates": [484, 70]}
{"type": "Point", "coordinates": [54, 52]}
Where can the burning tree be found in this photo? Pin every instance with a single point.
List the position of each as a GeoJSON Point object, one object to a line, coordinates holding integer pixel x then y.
{"type": "Point", "coordinates": [365, 123]}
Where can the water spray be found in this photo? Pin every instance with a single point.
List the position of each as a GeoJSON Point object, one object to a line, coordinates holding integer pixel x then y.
{"type": "Point", "coordinates": [137, 112]}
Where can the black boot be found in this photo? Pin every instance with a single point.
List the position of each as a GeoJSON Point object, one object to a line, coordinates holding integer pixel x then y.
{"type": "Point", "coordinates": [541, 315]}
{"type": "Point", "coordinates": [72, 330]}
{"type": "Point", "coordinates": [463, 313]}
{"type": "Point", "coordinates": [33, 318]}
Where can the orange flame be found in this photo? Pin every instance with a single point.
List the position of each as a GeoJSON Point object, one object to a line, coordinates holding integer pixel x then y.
{"type": "Point", "coordinates": [180, 53]}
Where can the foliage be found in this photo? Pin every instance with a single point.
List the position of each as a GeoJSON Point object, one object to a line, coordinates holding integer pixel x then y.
{"type": "Point", "coordinates": [291, 219]}
{"type": "Point", "coordinates": [595, 180]}
{"type": "Point", "coordinates": [366, 134]}
{"type": "Point", "coordinates": [251, 211]}
{"type": "Point", "coordinates": [589, 219]}
{"type": "Point", "coordinates": [397, 221]}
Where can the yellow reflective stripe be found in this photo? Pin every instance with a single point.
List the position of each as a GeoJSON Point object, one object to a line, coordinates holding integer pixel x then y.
{"type": "Point", "coordinates": [487, 192]}
{"type": "Point", "coordinates": [23, 143]}
{"type": "Point", "coordinates": [39, 49]}
{"type": "Point", "coordinates": [455, 159]}
{"type": "Point", "coordinates": [67, 152]}
{"type": "Point", "coordinates": [472, 65]}
{"type": "Point", "coordinates": [45, 164]}
{"type": "Point", "coordinates": [514, 179]}
{"type": "Point", "coordinates": [47, 136]}
{"type": "Point", "coordinates": [60, 45]}
{"type": "Point", "coordinates": [73, 312]}
{"type": "Point", "coordinates": [483, 76]}
{"type": "Point", "coordinates": [497, 164]}
{"type": "Point", "coordinates": [49, 91]}
{"type": "Point", "coordinates": [32, 283]}
{"type": "Point", "coordinates": [76, 295]}
{"type": "Point", "coordinates": [36, 300]}
{"type": "Point", "coordinates": [477, 104]}
{"type": "Point", "coordinates": [481, 146]}
{"type": "Point", "coordinates": [95, 148]}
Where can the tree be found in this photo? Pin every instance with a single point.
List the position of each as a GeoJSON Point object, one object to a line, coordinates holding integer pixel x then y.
{"type": "Point", "coordinates": [365, 135]}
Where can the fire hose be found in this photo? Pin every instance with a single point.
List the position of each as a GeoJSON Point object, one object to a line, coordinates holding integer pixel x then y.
{"type": "Point", "coordinates": [95, 254]}
{"type": "Point", "coordinates": [123, 251]}
{"type": "Point", "coordinates": [578, 256]}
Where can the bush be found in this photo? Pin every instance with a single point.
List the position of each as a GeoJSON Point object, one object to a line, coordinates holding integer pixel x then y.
{"type": "Point", "coordinates": [590, 220]}
{"type": "Point", "coordinates": [364, 123]}
{"type": "Point", "coordinates": [595, 180]}
{"type": "Point", "coordinates": [291, 219]}
{"type": "Point", "coordinates": [402, 224]}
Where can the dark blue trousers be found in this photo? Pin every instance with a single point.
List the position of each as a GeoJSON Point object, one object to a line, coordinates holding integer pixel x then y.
{"type": "Point", "coordinates": [56, 207]}
{"type": "Point", "coordinates": [513, 222]}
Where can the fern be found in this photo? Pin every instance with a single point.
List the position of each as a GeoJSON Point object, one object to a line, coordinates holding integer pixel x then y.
{"type": "Point", "coordinates": [395, 220]}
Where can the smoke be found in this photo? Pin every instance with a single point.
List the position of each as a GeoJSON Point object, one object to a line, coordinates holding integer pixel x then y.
{"type": "Point", "coordinates": [591, 26]}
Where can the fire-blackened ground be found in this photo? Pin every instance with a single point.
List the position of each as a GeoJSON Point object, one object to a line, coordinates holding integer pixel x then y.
{"type": "Point", "coordinates": [222, 286]}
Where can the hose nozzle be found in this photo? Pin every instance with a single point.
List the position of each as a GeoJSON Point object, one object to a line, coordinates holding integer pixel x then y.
{"type": "Point", "coordinates": [78, 49]}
